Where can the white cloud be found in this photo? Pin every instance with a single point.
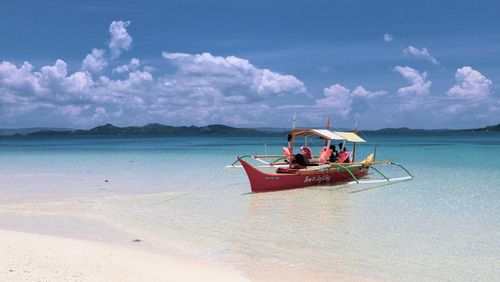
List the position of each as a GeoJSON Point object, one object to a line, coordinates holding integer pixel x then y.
{"type": "Point", "coordinates": [420, 53]}
{"type": "Point", "coordinates": [95, 61]}
{"type": "Point", "coordinates": [388, 37]}
{"type": "Point", "coordinates": [362, 92]}
{"type": "Point", "coordinates": [133, 65]}
{"type": "Point", "coordinates": [20, 80]}
{"type": "Point", "coordinates": [50, 84]}
{"type": "Point", "coordinates": [419, 83]}
{"type": "Point", "coordinates": [203, 89]}
{"type": "Point", "coordinates": [340, 100]}
{"type": "Point", "coordinates": [120, 39]}
{"type": "Point", "coordinates": [54, 74]}
{"type": "Point", "coordinates": [471, 84]}
{"type": "Point", "coordinates": [274, 83]}
{"type": "Point", "coordinates": [227, 78]}
{"type": "Point", "coordinates": [337, 98]}
{"type": "Point", "coordinates": [79, 82]}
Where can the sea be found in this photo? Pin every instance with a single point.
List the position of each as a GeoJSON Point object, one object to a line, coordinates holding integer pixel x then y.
{"type": "Point", "coordinates": [175, 195]}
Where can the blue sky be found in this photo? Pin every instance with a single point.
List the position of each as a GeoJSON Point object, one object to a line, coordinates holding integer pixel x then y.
{"type": "Point", "coordinates": [425, 64]}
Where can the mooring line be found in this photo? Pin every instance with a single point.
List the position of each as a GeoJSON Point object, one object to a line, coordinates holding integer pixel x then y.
{"type": "Point", "coordinates": [205, 185]}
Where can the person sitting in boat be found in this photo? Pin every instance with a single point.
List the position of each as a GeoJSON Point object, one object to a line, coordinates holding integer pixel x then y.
{"type": "Point", "coordinates": [333, 156]}
{"type": "Point", "coordinates": [306, 151]}
{"type": "Point", "coordinates": [301, 160]}
{"type": "Point", "coordinates": [348, 159]}
{"type": "Point", "coordinates": [344, 156]}
{"type": "Point", "coordinates": [337, 153]}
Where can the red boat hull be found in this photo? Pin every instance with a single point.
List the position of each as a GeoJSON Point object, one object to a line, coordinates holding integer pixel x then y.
{"type": "Point", "coordinates": [271, 181]}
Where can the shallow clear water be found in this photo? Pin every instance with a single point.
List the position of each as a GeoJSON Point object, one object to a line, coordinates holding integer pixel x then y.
{"type": "Point", "coordinates": [174, 193]}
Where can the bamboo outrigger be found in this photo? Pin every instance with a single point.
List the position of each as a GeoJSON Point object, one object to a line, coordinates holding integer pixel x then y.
{"type": "Point", "coordinates": [304, 169]}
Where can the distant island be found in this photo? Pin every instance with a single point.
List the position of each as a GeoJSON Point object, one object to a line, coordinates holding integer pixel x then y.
{"type": "Point", "coordinates": [156, 129]}
{"type": "Point", "coordinates": [410, 130]}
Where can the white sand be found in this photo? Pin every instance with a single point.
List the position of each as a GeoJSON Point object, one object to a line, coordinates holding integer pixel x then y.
{"type": "Point", "coordinates": [34, 257]}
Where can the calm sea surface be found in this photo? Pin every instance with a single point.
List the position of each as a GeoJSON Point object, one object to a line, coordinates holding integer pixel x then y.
{"type": "Point", "coordinates": [175, 193]}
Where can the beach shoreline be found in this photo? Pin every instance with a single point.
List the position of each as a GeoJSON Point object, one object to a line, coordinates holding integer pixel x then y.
{"type": "Point", "coordinates": [36, 257]}
{"type": "Point", "coordinates": [68, 239]}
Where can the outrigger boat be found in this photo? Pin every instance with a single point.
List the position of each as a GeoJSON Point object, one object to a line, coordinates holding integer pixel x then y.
{"type": "Point", "coordinates": [303, 170]}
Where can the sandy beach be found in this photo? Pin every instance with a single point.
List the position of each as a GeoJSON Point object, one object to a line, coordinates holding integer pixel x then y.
{"type": "Point", "coordinates": [35, 257]}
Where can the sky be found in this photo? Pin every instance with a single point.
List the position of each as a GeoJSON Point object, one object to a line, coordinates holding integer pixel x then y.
{"type": "Point", "coordinates": [418, 64]}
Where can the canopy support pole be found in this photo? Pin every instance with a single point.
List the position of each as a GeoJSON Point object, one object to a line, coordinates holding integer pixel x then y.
{"type": "Point", "coordinates": [293, 139]}
{"type": "Point", "coordinates": [354, 144]}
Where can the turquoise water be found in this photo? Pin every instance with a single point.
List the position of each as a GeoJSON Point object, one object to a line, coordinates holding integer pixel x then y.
{"type": "Point", "coordinates": [174, 192]}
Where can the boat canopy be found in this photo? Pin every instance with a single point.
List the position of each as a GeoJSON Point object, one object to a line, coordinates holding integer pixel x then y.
{"type": "Point", "coordinates": [323, 133]}
{"type": "Point", "coordinates": [350, 136]}
{"type": "Point", "coordinates": [331, 135]}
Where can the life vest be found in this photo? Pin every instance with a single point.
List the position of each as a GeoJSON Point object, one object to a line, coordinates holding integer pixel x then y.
{"type": "Point", "coordinates": [306, 151]}
{"type": "Point", "coordinates": [287, 153]}
{"type": "Point", "coordinates": [324, 155]}
{"type": "Point", "coordinates": [343, 156]}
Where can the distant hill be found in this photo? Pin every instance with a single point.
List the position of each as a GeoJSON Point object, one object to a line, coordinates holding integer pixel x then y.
{"type": "Point", "coordinates": [487, 128]}
{"type": "Point", "coordinates": [156, 129]}
{"type": "Point", "coordinates": [403, 130]}
{"type": "Point", "coordinates": [24, 131]}
{"type": "Point", "coordinates": [406, 130]}
{"type": "Point", "coordinates": [493, 127]}
{"type": "Point", "coordinates": [272, 129]}
{"type": "Point", "coordinates": [159, 130]}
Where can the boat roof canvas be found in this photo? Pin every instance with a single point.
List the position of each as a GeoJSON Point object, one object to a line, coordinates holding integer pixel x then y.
{"type": "Point", "coordinates": [327, 133]}
{"type": "Point", "coordinates": [350, 136]}
{"type": "Point", "coordinates": [324, 133]}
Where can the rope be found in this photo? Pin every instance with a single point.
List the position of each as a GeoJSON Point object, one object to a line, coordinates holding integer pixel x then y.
{"type": "Point", "coordinates": [206, 184]}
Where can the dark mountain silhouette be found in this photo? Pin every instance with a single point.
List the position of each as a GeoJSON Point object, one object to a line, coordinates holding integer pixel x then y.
{"type": "Point", "coordinates": [156, 129]}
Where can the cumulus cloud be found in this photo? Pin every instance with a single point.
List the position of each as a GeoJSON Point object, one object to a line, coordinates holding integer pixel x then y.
{"type": "Point", "coordinates": [230, 78]}
{"type": "Point", "coordinates": [419, 83]}
{"type": "Point", "coordinates": [218, 87]}
{"type": "Point", "coordinates": [203, 88]}
{"type": "Point", "coordinates": [133, 65]}
{"type": "Point", "coordinates": [95, 61]}
{"type": "Point", "coordinates": [120, 39]}
{"type": "Point", "coordinates": [340, 100]}
{"type": "Point", "coordinates": [20, 80]}
{"type": "Point", "coordinates": [48, 83]}
{"type": "Point", "coordinates": [388, 37]}
{"type": "Point", "coordinates": [53, 92]}
{"type": "Point", "coordinates": [422, 53]}
{"type": "Point", "coordinates": [471, 84]}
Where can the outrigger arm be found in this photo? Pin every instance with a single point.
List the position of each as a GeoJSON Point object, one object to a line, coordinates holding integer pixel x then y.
{"type": "Point", "coordinates": [259, 158]}
{"type": "Point", "coordinates": [386, 179]}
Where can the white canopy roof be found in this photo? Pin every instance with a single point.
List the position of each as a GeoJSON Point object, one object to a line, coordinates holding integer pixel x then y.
{"type": "Point", "coordinates": [331, 135]}
{"type": "Point", "coordinates": [325, 133]}
{"type": "Point", "coordinates": [350, 136]}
